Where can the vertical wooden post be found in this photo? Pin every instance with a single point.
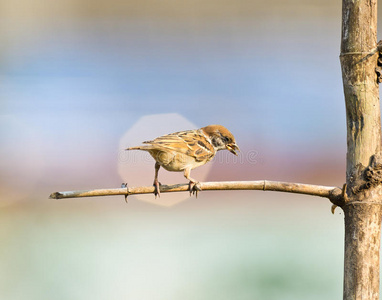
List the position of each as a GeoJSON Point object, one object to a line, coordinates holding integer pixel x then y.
{"type": "Point", "coordinates": [362, 207]}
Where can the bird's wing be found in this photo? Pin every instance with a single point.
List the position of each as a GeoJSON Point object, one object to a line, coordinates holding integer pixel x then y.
{"type": "Point", "coordinates": [190, 142]}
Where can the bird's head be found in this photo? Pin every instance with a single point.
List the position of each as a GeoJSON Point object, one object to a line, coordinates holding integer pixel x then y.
{"type": "Point", "coordinates": [221, 138]}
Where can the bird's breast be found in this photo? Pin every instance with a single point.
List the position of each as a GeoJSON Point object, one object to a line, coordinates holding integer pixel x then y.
{"type": "Point", "coordinates": [175, 161]}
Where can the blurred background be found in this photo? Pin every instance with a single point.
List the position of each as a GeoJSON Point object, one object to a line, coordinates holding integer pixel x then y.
{"type": "Point", "coordinates": [76, 76]}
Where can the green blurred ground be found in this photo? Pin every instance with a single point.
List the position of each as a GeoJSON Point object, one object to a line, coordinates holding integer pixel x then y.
{"type": "Point", "coordinates": [233, 246]}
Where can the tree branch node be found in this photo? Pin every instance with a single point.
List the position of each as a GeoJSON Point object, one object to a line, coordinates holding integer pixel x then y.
{"type": "Point", "coordinates": [337, 196]}
{"type": "Point", "coordinates": [363, 179]}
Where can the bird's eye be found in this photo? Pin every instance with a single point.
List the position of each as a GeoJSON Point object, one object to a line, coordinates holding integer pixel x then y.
{"type": "Point", "coordinates": [225, 139]}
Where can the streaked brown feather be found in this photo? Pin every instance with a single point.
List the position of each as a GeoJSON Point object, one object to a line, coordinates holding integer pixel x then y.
{"type": "Point", "coordinates": [183, 142]}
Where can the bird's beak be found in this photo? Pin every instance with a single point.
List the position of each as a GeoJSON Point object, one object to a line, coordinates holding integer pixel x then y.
{"type": "Point", "coordinates": [232, 148]}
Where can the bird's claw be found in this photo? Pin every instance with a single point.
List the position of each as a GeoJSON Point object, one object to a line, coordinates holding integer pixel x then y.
{"type": "Point", "coordinates": [157, 184]}
{"type": "Point", "coordinates": [194, 188]}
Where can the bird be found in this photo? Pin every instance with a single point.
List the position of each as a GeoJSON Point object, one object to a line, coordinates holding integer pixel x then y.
{"type": "Point", "coordinates": [187, 150]}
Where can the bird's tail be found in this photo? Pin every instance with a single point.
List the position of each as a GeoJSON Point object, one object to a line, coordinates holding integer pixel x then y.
{"type": "Point", "coordinates": [143, 147]}
{"type": "Point", "coordinates": [135, 148]}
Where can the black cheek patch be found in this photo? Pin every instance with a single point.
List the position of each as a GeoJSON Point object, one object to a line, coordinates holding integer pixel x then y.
{"type": "Point", "coordinates": [215, 142]}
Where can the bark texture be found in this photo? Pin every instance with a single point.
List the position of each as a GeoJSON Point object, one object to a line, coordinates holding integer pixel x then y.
{"type": "Point", "coordinates": [362, 227]}
{"type": "Point", "coordinates": [362, 201]}
{"type": "Point", "coordinates": [359, 37]}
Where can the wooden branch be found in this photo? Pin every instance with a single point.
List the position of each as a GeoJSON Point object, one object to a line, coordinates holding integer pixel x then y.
{"type": "Point", "coordinates": [330, 192]}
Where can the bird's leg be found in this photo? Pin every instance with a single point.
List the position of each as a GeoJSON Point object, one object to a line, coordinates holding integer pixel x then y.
{"type": "Point", "coordinates": [156, 182]}
{"type": "Point", "coordinates": [194, 185]}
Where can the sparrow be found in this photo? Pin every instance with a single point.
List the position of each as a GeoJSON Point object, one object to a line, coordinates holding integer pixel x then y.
{"type": "Point", "coordinates": [187, 150]}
